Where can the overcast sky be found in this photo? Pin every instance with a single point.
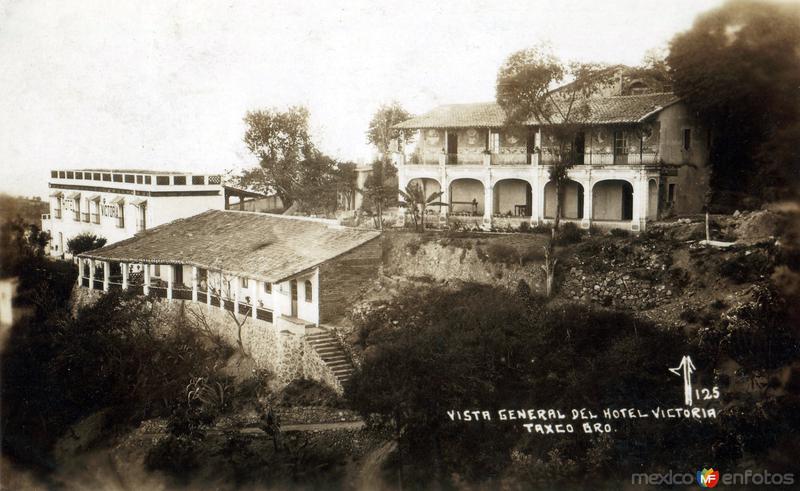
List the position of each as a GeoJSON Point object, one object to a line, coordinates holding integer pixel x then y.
{"type": "Point", "coordinates": [164, 85]}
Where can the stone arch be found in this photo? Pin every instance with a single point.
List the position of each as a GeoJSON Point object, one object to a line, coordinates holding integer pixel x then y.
{"type": "Point", "coordinates": [612, 199]}
{"type": "Point", "coordinates": [466, 196]}
{"type": "Point", "coordinates": [429, 185]}
{"type": "Point", "coordinates": [573, 200]}
{"type": "Point", "coordinates": [512, 196]}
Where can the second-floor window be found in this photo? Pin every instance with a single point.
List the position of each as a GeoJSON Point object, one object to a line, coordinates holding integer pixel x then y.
{"type": "Point", "coordinates": [267, 287]}
{"type": "Point", "coordinates": [494, 142]}
{"type": "Point", "coordinates": [309, 291]}
{"type": "Point", "coordinates": [245, 283]}
{"type": "Point", "coordinates": [620, 143]}
{"type": "Point", "coordinates": [687, 139]}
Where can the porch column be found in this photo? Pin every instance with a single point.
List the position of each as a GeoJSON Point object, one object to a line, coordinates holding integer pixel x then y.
{"type": "Point", "coordinates": [91, 274]}
{"type": "Point", "coordinates": [194, 283]}
{"type": "Point", "coordinates": [146, 284]}
{"type": "Point", "coordinates": [488, 204]}
{"type": "Point", "coordinates": [106, 275]}
{"type": "Point", "coordinates": [542, 182]}
{"type": "Point", "coordinates": [236, 295]}
{"type": "Point", "coordinates": [170, 278]}
{"type": "Point", "coordinates": [124, 268]}
{"type": "Point", "coordinates": [639, 201]}
{"type": "Point", "coordinates": [208, 289]}
{"type": "Point", "coordinates": [276, 303]}
{"type": "Point", "coordinates": [587, 205]}
{"type": "Point", "coordinates": [534, 182]}
{"type": "Point", "coordinates": [254, 297]}
{"type": "Point", "coordinates": [80, 270]}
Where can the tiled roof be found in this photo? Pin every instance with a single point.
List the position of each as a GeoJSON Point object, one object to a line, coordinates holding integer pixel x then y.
{"type": "Point", "coordinates": [255, 245]}
{"type": "Point", "coordinates": [604, 110]}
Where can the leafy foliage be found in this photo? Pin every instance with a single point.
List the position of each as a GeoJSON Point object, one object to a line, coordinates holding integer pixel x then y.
{"type": "Point", "coordinates": [59, 369]}
{"type": "Point", "coordinates": [380, 188]}
{"type": "Point", "coordinates": [84, 242]}
{"type": "Point", "coordinates": [525, 90]}
{"type": "Point", "coordinates": [434, 350]}
{"type": "Point", "coordinates": [290, 165]}
{"type": "Point", "coordinates": [415, 199]}
{"type": "Point", "coordinates": [738, 67]}
{"type": "Point", "coordinates": [381, 131]}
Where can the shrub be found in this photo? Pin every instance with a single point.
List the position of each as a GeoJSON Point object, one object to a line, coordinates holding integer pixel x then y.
{"type": "Point", "coordinates": [618, 232]}
{"type": "Point", "coordinates": [501, 254]}
{"type": "Point", "coordinates": [175, 455]}
{"type": "Point", "coordinates": [413, 247]}
{"type": "Point", "coordinates": [307, 392]}
{"type": "Point", "coordinates": [570, 233]}
{"type": "Point", "coordinates": [85, 242]}
{"type": "Point", "coordinates": [746, 266]}
{"type": "Point", "coordinates": [524, 227]}
{"type": "Point", "coordinates": [679, 277]}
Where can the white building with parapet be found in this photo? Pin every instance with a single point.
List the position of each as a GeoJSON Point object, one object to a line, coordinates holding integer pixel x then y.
{"type": "Point", "coordinates": [117, 204]}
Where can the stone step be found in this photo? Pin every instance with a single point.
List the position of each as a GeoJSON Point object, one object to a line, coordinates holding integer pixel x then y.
{"type": "Point", "coordinates": [328, 349]}
{"type": "Point", "coordinates": [333, 357]}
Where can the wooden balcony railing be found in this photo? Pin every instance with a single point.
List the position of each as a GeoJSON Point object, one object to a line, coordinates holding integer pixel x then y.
{"type": "Point", "coordinates": [96, 218]}
{"type": "Point", "coordinates": [159, 290]}
{"type": "Point", "coordinates": [181, 294]}
{"type": "Point", "coordinates": [85, 217]}
{"type": "Point", "coordinates": [607, 158]}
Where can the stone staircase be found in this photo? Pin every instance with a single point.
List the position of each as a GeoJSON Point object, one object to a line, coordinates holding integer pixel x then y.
{"type": "Point", "coordinates": [327, 347]}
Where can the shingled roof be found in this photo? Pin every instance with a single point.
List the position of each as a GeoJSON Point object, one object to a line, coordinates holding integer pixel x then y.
{"type": "Point", "coordinates": [604, 110]}
{"type": "Point", "coordinates": [255, 245]}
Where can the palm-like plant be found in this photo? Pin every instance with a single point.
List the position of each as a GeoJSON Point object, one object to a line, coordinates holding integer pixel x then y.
{"type": "Point", "coordinates": [415, 199]}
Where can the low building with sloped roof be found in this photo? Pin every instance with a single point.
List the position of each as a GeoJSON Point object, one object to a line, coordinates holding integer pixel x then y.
{"type": "Point", "coordinates": [637, 157]}
{"type": "Point", "coordinates": [290, 272]}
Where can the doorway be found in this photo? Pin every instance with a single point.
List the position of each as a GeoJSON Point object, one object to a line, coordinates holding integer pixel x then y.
{"type": "Point", "coordinates": [293, 287]}
{"type": "Point", "coordinates": [580, 148]}
{"type": "Point", "coordinates": [452, 147]}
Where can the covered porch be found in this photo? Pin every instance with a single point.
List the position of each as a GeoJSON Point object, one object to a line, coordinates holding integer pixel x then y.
{"type": "Point", "coordinates": [238, 294]}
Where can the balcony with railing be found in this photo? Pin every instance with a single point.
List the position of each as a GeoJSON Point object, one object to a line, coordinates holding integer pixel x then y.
{"type": "Point", "coordinates": [157, 288]}
{"type": "Point", "coordinates": [607, 158]}
{"type": "Point", "coordinates": [85, 216]}
{"type": "Point", "coordinates": [463, 158]}
{"type": "Point", "coordinates": [96, 218]}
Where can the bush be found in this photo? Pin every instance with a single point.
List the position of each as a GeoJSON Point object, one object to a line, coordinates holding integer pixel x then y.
{"type": "Point", "coordinates": [307, 392]}
{"type": "Point", "coordinates": [618, 232]}
{"type": "Point", "coordinates": [746, 266]}
{"type": "Point", "coordinates": [498, 253]}
{"type": "Point", "coordinates": [85, 242]}
{"type": "Point", "coordinates": [176, 455]}
{"type": "Point", "coordinates": [413, 247]}
{"type": "Point", "coordinates": [570, 233]}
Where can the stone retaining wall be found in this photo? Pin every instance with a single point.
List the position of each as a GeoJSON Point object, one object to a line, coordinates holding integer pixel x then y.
{"type": "Point", "coordinates": [286, 355]}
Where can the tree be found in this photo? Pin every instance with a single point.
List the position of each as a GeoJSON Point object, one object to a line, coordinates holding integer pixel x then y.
{"type": "Point", "coordinates": [282, 142]}
{"type": "Point", "coordinates": [418, 203]}
{"type": "Point", "coordinates": [345, 184]}
{"type": "Point", "coordinates": [86, 241]}
{"type": "Point", "coordinates": [380, 188]}
{"type": "Point", "coordinates": [525, 90]}
{"type": "Point", "coordinates": [381, 130]}
{"type": "Point", "coordinates": [318, 192]}
{"type": "Point", "coordinates": [738, 67]}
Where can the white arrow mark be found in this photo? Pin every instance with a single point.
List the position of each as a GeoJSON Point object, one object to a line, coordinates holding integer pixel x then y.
{"type": "Point", "coordinates": [685, 368]}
